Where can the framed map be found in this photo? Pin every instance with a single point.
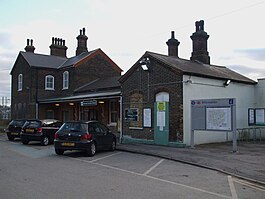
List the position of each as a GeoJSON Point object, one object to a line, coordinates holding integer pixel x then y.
{"type": "Point", "coordinates": [219, 118]}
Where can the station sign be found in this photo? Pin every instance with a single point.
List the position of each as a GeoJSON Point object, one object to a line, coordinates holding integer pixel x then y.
{"type": "Point", "coordinates": [89, 103]}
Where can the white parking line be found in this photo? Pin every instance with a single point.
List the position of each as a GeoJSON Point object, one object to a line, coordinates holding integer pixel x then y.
{"type": "Point", "coordinates": [153, 167]}
{"type": "Point", "coordinates": [252, 185]}
{"type": "Point", "coordinates": [154, 178]}
{"type": "Point", "coordinates": [232, 187]}
{"type": "Point", "coordinates": [105, 157]}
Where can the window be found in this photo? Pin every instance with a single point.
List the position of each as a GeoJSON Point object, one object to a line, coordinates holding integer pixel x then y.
{"type": "Point", "coordinates": [49, 82]}
{"type": "Point", "coordinates": [65, 80]}
{"type": "Point", "coordinates": [162, 97]}
{"type": "Point", "coordinates": [66, 116]}
{"type": "Point", "coordinates": [113, 111]}
{"type": "Point", "coordinates": [19, 82]}
{"type": "Point", "coordinates": [50, 114]}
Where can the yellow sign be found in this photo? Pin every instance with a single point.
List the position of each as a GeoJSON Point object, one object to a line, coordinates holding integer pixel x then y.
{"type": "Point", "coordinates": [161, 106]}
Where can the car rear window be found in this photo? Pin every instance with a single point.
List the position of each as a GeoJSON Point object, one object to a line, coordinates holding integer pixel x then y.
{"type": "Point", "coordinates": [74, 126]}
{"type": "Point", "coordinates": [32, 124]}
{"type": "Point", "coordinates": [17, 122]}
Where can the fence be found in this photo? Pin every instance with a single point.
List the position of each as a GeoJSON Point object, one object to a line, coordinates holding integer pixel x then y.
{"type": "Point", "coordinates": [251, 134]}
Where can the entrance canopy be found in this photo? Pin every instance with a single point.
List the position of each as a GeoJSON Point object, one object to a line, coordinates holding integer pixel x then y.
{"type": "Point", "coordinates": [97, 95]}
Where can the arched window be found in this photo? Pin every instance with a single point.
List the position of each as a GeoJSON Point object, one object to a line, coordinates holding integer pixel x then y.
{"type": "Point", "coordinates": [65, 80]}
{"type": "Point", "coordinates": [49, 82]}
{"type": "Point", "coordinates": [162, 97]}
{"type": "Point", "coordinates": [20, 82]}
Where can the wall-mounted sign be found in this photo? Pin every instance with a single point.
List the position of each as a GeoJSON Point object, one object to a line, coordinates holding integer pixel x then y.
{"type": "Point", "coordinates": [131, 114]}
{"type": "Point", "coordinates": [147, 117]}
{"type": "Point", "coordinates": [256, 116]}
{"type": "Point", "coordinates": [251, 116]}
{"type": "Point", "coordinates": [89, 103]}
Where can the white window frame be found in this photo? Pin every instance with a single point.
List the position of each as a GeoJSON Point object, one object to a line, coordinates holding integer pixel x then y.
{"type": "Point", "coordinates": [47, 86]}
{"type": "Point", "coordinates": [65, 80]}
{"type": "Point", "coordinates": [19, 82]}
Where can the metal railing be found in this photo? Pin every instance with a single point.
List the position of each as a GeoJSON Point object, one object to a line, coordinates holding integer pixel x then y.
{"type": "Point", "coordinates": [251, 134]}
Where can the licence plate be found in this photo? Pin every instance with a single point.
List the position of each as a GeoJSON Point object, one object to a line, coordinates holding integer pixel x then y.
{"type": "Point", "coordinates": [30, 130]}
{"type": "Point", "coordinates": [68, 144]}
{"type": "Point", "coordinates": [14, 133]}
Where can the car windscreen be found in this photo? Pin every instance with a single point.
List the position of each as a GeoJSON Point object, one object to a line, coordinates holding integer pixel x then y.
{"type": "Point", "coordinates": [74, 126]}
{"type": "Point", "coordinates": [32, 124]}
{"type": "Point", "coordinates": [18, 123]}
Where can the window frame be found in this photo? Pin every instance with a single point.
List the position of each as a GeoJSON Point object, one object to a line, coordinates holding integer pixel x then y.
{"type": "Point", "coordinates": [116, 112]}
{"type": "Point", "coordinates": [65, 80]}
{"type": "Point", "coordinates": [46, 82]}
{"type": "Point", "coordinates": [20, 82]}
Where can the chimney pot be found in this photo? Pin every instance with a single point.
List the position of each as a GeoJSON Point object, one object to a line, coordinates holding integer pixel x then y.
{"type": "Point", "coordinates": [173, 45]}
{"type": "Point", "coordinates": [58, 48]}
{"type": "Point", "coordinates": [29, 47]}
{"type": "Point", "coordinates": [172, 35]}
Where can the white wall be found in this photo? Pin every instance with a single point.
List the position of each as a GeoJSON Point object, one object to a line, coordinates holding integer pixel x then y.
{"type": "Point", "coordinates": [204, 88]}
{"type": "Point", "coordinates": [260, 94]}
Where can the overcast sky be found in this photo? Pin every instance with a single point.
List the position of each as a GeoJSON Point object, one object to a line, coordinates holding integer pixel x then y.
{"type": "Point", "coordinates": [125, 29]}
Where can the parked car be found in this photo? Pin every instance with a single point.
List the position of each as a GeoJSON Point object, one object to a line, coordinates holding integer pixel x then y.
{"type": "Point", "coordinates": [14, 128]}
{"type": "Point", "coordinates": [40, 130]}
{"type": "Point", "coordinates": [89, 136]}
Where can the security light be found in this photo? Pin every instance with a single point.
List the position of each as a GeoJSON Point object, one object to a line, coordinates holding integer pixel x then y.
{"type": "Point", "coordinates": [144, 67]}
{"type": "Point", "coordinates": [144, 63]}
{"type": "Point", "coordinates": [227, 82]}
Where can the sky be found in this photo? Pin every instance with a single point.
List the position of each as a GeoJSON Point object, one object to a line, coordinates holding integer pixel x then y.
{"type": "Point", "coordinates": [125, 30]}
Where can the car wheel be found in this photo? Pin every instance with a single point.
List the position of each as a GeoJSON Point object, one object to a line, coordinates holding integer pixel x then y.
{"type": "Point", "coordinates": [59, 151]}
{"type": "Point", "coordinates": [92, 149]}
{"type": "Point", "coordinates": [10, 138]}
{"type": "Point", "coordinates": [25, 142]}
{"type": "Point", "coordinates": [45, 141]}
{"type": "Point", "coordinates": [113, 145]}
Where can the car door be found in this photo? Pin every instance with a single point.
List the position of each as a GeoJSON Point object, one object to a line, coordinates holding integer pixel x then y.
{"type": "Point", "coordinates": [106, 136]}
{"type": "Point", "coordinates": [99, 135]}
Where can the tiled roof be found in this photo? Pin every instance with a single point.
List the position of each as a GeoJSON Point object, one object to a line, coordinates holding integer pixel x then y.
{"type": "Point", "coordinates": [73, 60]}
{"type": "Point", "coordinates": [43, 61]}
{"type": "Point", "coordinates": [101, 84]}
{"type": "Point", "coordinates": [194, 68]}
{"type": "Point", "coordinates": [50, 61]}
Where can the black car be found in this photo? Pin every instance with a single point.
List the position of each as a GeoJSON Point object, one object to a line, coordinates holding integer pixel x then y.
{"type": "Point", "coordinates": [89, 136]}
{"type": "Point", "coordinates": [40, 130]}
{"type": "Point", "coordinates": [14, 128]}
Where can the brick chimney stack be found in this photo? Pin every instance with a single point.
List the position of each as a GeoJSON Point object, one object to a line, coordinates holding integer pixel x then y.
{"type": "Point", "coordinates": [199, 40]}
{"type": "Point", "coordinates": [58, 47]}
{"type": "Point", "coordinates": [30, 47]}
{"type": "Point", "coordinates": [173, 45]}
{"type": "Point", "coordinates": [81, 42]}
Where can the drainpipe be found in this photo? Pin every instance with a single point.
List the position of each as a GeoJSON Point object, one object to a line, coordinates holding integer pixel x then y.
{"type": "Point", "coordinates": [36, 96]}
{"type": "Point", "coordinates": [121, 133]}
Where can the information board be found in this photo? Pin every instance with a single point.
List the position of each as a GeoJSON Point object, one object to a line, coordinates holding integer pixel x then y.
{"type": "Point", "coordinates": [147, 117]}
{"type": "Point", "coordinates": [214, 115]}
{"type": "Point", "coordinates": [218, 119]}
{"type": "Point", "coordinates": [256, 116]}
{"type": "Point", "coordinates": [251, 116]}
{"type": "Point", "coordinates": [259, 115]}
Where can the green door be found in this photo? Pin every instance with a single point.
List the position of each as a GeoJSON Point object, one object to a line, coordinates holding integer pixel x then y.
{"type": "Point", "coordinates": [161, 123]}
